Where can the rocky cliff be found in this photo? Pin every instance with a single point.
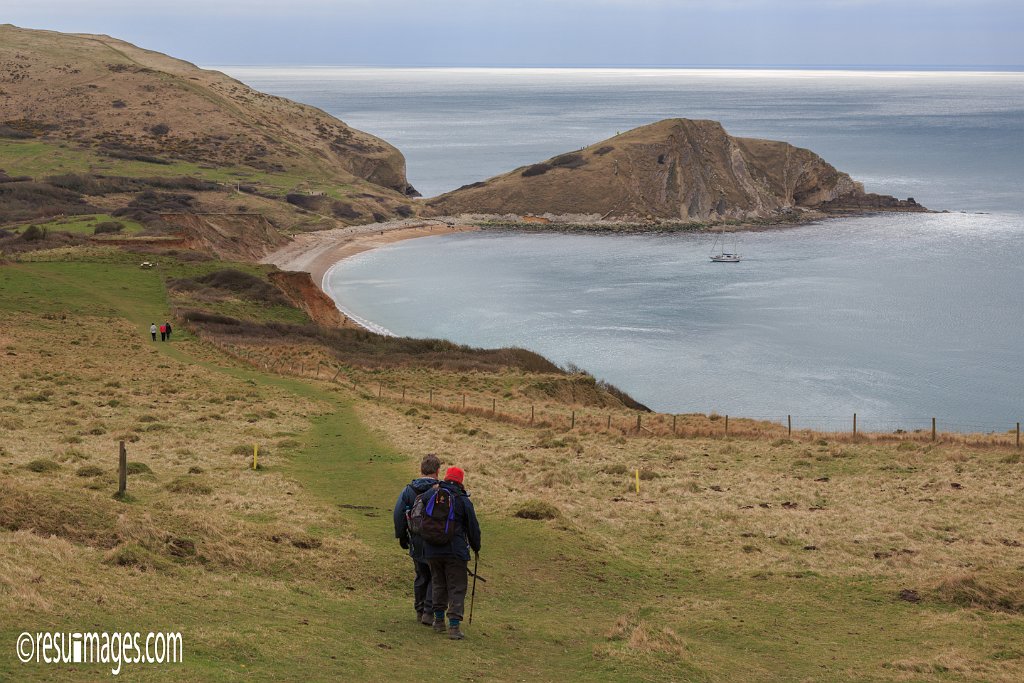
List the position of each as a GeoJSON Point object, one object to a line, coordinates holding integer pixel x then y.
{"type": "Point", "coordinates": [674, 170]}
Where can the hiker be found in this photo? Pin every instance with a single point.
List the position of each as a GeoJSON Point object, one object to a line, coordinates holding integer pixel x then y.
{"type": "Point", "coordinates": [421, 588]}
{"type": "Point", "coordinates": [163, 333]}
{"type": "Point", "coordinates": [449, 560]}
{"type": "Point", "coordinates": [152, 330]}
{"type": "Point", "coordinates": [168, 326]}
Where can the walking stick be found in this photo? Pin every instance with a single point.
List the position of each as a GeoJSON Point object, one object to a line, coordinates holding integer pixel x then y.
{"type": "Point", "coordinates": [472, 595]}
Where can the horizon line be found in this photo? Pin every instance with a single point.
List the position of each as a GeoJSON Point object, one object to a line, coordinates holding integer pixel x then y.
{"type": "Point", "coordinates": [998, 68]}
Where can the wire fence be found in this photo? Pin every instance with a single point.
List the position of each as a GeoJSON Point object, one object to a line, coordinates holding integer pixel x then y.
{"type": "Point", "coordinates": [631, 423]}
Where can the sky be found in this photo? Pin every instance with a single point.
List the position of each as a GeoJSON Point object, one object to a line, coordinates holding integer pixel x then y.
{"type": "Point", "coordinates": [969, 33]}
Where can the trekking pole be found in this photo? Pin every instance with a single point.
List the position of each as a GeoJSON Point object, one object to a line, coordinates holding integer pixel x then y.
{"type": "Point", "coordinates": [472, 595]}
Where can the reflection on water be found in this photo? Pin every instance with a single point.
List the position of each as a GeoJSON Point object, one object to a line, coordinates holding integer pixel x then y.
{"type": "Point", "coordinates": [887, 316]}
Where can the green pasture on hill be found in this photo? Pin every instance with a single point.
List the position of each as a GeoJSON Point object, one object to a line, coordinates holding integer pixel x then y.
{"type": "Point", "coordinates": [556, 606]}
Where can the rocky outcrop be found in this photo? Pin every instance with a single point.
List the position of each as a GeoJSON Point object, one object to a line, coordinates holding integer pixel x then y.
{"type": "Point", "coordinates": [677, 170]}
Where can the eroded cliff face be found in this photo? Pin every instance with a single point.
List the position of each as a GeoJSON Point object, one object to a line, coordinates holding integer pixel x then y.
{"type": "Point", "coordinates": [303, 292]}
{"type": "Point", "coordinates": [673, 170]}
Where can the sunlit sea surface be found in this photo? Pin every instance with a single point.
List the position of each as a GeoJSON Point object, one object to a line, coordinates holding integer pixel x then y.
{"type": "Point", "coordinates": [898, 318]}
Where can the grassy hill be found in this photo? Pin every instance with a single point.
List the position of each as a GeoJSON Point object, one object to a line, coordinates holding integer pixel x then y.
{"type": "Point", "coordinates": [93, 125]}
{"type": "Point", "coordinates": [741, 559]}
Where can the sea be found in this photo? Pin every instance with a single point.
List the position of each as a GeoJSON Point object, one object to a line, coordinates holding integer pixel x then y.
{"type": "Point", "coordinates": [898, 318]}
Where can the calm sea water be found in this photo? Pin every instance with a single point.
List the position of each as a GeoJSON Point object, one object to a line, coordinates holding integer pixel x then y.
{"type": "Point", "coordinates": [897, 318]}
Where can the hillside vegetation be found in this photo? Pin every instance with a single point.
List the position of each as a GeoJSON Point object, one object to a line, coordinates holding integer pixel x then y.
{"type": "Point", "coordinates": [739, 559]}
{"type": "Point", "coordinates": [94, 125]}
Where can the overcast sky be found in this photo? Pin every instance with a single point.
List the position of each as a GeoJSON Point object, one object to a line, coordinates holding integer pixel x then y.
{"type": "Point", "coordinates": [551, 32]}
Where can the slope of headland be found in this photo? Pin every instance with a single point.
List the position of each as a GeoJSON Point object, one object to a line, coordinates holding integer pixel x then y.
{"type": "Point", "coordinates": [98, 91]}
{"type": "Point", "coordinates": [91, 125]}
{"type": "Point", "coordinates": [673, 171]}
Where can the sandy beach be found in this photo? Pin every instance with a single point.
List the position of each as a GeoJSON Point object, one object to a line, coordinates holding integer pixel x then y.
{"type": "Point", "coordinates": [317, 252]}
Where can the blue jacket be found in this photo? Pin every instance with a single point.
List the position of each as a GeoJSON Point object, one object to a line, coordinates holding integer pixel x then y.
{"type": "Point", "coordinates": [467, 528]}
{"type": "Point", "coordinates": [404, 503]}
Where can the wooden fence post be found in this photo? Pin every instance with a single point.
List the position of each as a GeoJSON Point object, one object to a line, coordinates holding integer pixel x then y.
{"type": "Point", "coordinates": [531, 413]}
{"type": "Point", "coordinates": [317, 369]}
{"type": "Point", "coordinates": [494, 406]}
{"type": "Point", "coordinates": [674, 423]}
{"type": "Point", "coordinates": [122, 469]}
{"type": "Point", "coordinates": [855, 424]}
{"type": "Point", "coordinates": [609, 422]}
{"type": "Point", "coordinates": [933, 429]}
{"type": "Point", "coordinates": [638, 423]}
{"type": "Point", "coordinates": [789, 425]}
{"type": "Point", "coordinates": [1018, 435]}
{"type": "Point", "coordinates": [403, 394]}
{"type": "Point", "coordinates": [463, 401]}
{"type": "Point", "coordinates": [431, 398]}
{"type": "Point", "coordinates": [335, 378]}
{"type": "Point", "coordinates": [572, 420]}
{"type": "Point", "coordinates": [727, 425]}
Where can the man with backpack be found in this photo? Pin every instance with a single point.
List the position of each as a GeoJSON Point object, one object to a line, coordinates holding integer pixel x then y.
{"type": "Point", "coordinates": [422, 599]}
{"type": "Point", "coordinates": [449, 529]}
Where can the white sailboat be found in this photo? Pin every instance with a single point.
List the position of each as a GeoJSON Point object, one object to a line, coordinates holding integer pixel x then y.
{"type": "Point", "coordinates": [723, 256]}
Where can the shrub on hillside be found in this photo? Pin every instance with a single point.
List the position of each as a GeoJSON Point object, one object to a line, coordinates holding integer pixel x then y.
{"type": "Point", "coordinates": [14, 134]}
{"type": "Point", "coordinates": [243, 285]}
{"type": "Point", "coordinates": [26, 201]}
{"type": "Point", "coordinates": [189, 486]}
{"type": "Point", "coordinates": [571, 160]}
{"type": "Point", "coordinates": [160, 129]}
{"type": "Point", "coordinates": [107, 228]}
{"type": "Point", "coordinates": [146, 206]}
{"type": "Point", "coordinates": [535, 170]}
{"type": "Point", "coordinates": [344, 211]}
{"type": "Point", "coordinates": [537, 509]}
{"type": "Point", "coordinates": [42, 465]}
{"type": "Point", "coordinates": [310, 202]}
{"type": "Point", "coordinates": [133, 155]}
{"type": "Point", "coordinates": [34, 233]}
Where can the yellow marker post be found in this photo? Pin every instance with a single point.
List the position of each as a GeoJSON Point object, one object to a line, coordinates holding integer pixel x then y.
{"type": "Point", "coordinates": [638, 481]}
{"type": "Point", "coordinates": [255, 452]}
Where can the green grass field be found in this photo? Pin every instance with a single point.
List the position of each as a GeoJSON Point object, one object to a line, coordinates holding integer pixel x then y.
{"type": "Point", "coordinates": [40, 159]}
{"type": "Point", "coordinates": [86, 225]}
{"type": "Point", "coordinates": [296, 576]}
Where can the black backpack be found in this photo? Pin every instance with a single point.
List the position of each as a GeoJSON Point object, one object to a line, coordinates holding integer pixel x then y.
{"type": "Point", "coordinates": [414, 515]}
{"type": "Point", "coordinates": [433, 516]}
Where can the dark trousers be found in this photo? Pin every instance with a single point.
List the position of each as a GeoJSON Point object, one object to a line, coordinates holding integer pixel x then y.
{"type": "Point", "coordinates": [451, 579]}
{"type": "Point", "coordinates": [163, 336]}
{"type": "Point", "coordinates": [422, 588]}
{"type": "Point", "coordinates": [154, 335]}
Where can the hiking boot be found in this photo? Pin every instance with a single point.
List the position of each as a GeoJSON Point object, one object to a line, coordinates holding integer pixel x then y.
{"type": "Point", "coordinates": [455, 633]}
{"type": "Point", "coordinates": [427, 619]}
{"type": "Point", "coordinates": [438, 622]}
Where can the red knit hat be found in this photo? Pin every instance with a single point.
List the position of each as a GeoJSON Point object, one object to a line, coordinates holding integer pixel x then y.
{"type": "Point", "coordinates": [454, 474]}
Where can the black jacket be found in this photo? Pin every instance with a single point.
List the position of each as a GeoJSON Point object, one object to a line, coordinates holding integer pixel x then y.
{"type": "Point", "coordinates": [467, 528]}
